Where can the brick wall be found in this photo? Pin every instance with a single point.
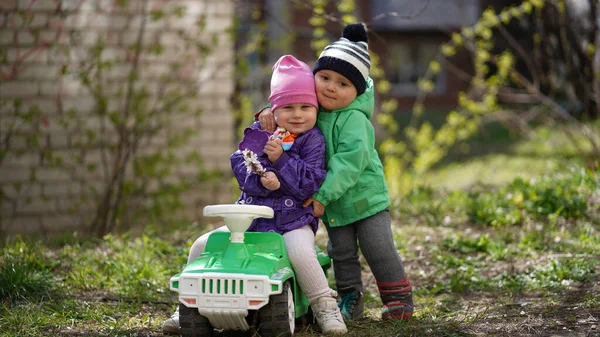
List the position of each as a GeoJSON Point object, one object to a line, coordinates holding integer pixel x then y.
{"type": "Point", "coordinates": [37, 45]}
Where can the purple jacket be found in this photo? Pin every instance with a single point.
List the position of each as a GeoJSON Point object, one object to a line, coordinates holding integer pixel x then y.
{"type": "Point", "coordinates": [300, 170]}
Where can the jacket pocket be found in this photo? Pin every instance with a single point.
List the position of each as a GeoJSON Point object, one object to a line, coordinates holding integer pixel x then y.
{"type": "Point", "coordinates": [361, 205]}
{"type": "Point", "coordinates": [357, 200]}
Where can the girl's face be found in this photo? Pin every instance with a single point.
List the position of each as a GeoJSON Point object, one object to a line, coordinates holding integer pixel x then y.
{"type": "Point", "coordinates": [334, 90]}
{"type": "Point", "coordinates": [296, 118]}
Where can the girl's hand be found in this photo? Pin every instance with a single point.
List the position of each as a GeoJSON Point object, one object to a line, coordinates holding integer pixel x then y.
{"type": "Point", "coordinates": [273, 149]}
{"type": "Point", "coordinates": [267, 120]}
{"type": "Point", "coordinates": [318, 208]}
{"type": "Point", "coordinates": [270, 181]}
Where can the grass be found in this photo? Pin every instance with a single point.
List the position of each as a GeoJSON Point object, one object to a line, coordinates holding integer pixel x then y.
{"type": "Point", "coordinates": [496, 156]}
{"type": "Point", "coordinates": [519, 257]}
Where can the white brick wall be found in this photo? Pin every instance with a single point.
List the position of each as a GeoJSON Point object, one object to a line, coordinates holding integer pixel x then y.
{"type": "Point", "coordinates": [8, 4]}
{"type": "Point", "coordinates": [53, 202]}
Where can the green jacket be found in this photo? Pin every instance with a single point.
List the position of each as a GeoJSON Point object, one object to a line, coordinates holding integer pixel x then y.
{"type": "Point", "coordinates": [354, 187]}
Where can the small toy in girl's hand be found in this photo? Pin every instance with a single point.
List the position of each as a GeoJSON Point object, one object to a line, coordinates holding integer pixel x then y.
{"type": "Point", "coordinates": [287, 138]}
{"type": "Point", "coordinates": [252, 163]}
{"type": "Point", "coordinates": [254, 141]}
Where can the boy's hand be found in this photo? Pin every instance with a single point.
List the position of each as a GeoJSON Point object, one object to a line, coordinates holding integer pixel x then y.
{"type": "Point", "coordinates": [318, 208]}
{"type": "Point", "coordinates": [270, 181]}
{"type": "Point", "coordinates": [267, 120]}
{"type": "Point", "coordinates": [273, 149]}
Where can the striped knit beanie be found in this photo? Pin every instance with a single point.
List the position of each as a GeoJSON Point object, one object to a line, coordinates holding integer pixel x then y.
{"type": "Point", "coordinates": [348, 56]}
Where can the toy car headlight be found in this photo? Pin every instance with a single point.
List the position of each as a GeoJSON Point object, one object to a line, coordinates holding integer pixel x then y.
{"type": "Point", "coordinates": [255, 287]}
{"type": "Point", "coordinates": [188, 284]}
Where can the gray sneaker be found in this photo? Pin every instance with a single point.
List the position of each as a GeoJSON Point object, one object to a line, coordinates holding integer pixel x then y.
{"type": "Point", "coordinates": [352, 305]}
{"type": "Point", "coordinates": [171, 325]}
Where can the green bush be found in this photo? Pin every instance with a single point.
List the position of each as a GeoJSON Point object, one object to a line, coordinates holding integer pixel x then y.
{"type": "Point", "coordinates": [563, 195]}
{"type": "Point", "coordinates": [549, 196]}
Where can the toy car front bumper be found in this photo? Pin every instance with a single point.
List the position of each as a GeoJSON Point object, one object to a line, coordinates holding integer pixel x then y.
{"type": "Point", "coordinates": [234, 319]}
{"type": "Point", "coordinates": [225, 298]}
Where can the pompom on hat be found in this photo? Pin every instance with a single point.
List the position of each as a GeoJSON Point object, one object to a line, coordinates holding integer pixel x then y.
{"type": "Point", "coordinates": [292, 82]}
{"type": "Point", "coordinates": [348, 56]}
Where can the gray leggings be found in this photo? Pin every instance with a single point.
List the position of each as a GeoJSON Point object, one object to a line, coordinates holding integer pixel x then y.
{"type": "Point", "coordinates": [374, 235]}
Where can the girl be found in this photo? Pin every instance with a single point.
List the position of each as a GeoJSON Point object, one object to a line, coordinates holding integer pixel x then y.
{"type": "Point", "coordinates": [285, 180]}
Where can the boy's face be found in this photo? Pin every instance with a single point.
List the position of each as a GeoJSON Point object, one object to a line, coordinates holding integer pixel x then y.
{"type": "Point", "coordinates": [296, 118]}
{"type": "Point", "coordinates": [334, 90]}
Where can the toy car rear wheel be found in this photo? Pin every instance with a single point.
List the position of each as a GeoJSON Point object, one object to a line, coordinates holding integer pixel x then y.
{"type": "Point", "coordinates": [192, 324]}
{"type": "Point", "coordinates": [278, 317]}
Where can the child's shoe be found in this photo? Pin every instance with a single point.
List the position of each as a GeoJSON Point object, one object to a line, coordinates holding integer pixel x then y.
{"type": "Point", "coordinates": [328, 316]}
{"type": "Point", "coordinates": [397, 299]}
{"type": "Point", "coordinates": [171, 325]}
{"type": "Point", "coordinates": [352, 305]}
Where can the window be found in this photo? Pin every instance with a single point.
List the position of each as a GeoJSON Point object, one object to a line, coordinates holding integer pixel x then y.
{"type": "Point", "coordinates": [430, 15]}
{"type": "Point", "coordinates": [407, 62]}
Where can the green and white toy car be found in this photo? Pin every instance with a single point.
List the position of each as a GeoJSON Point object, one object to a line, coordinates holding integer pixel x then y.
{"type": "Point", "coordinates": [242, 281]}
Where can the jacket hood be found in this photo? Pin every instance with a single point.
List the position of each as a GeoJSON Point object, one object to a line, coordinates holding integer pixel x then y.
{"type": "Point", "coordinates": [364, 102]}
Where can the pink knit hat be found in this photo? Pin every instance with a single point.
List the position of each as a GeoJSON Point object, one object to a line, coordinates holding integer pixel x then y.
{"type": "Point", "coordinates": [292, 82]}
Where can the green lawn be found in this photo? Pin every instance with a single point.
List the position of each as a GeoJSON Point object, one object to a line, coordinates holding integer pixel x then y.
{"type": "Point", "coordinates": [496, 156]}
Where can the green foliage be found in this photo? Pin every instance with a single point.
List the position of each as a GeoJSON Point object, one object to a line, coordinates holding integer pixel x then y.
{"type": "Point", "coordinates": [553, 215]}
{"type": "Point", "coordinates": [554, 275]}
{"type": "Point", "coordinates": [549, 198]}
{"type": "Point", "coordinates": [563, 196]}
{"type": "Point", "coordinates": [21, 281]}
{"type": "Point", "coordinates": [409, 153]}
{"type": "Point", "coordinates": [63, 316]}
{"type": "Point", "coordinates": [467, 245]}
{"type": "Point", "coordinates": [41, 287]}
{"type": "Point", "coordinates": [25, 273]}
{"type": "Point", "coordinates": [492, 209]}
{"type": "Point", "coordinates": [129, 267]}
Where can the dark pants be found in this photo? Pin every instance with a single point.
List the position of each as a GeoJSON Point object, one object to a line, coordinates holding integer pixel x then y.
{"type": "Point", "coordinates": [374, 236]}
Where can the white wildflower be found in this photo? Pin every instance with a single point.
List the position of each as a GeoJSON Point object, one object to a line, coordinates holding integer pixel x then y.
{"type": "Point", "coordinates": [252, 163]}
{"type": "Point", "coordinates": [566, 283]}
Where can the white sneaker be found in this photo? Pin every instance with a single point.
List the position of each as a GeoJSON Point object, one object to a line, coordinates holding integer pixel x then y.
{"type": "Point", "coordinates": [171, 325]}
{"type": "Point", "coordinates": [328, 316]}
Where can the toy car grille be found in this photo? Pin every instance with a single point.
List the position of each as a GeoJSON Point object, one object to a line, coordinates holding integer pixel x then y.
{"type": "Point", "coordinates": [222, 286]}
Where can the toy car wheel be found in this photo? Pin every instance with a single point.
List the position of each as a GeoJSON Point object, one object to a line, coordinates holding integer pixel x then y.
{"type": "Point", "coordinates": [192, 324]}
{"type": "Point", "coordinates": [278, 317]}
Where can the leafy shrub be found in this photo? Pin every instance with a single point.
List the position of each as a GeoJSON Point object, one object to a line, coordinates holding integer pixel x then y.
{"type": "Point", "coordinates": [563, 195]}
{"type": "Point", "coordinates": [549, 196]}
